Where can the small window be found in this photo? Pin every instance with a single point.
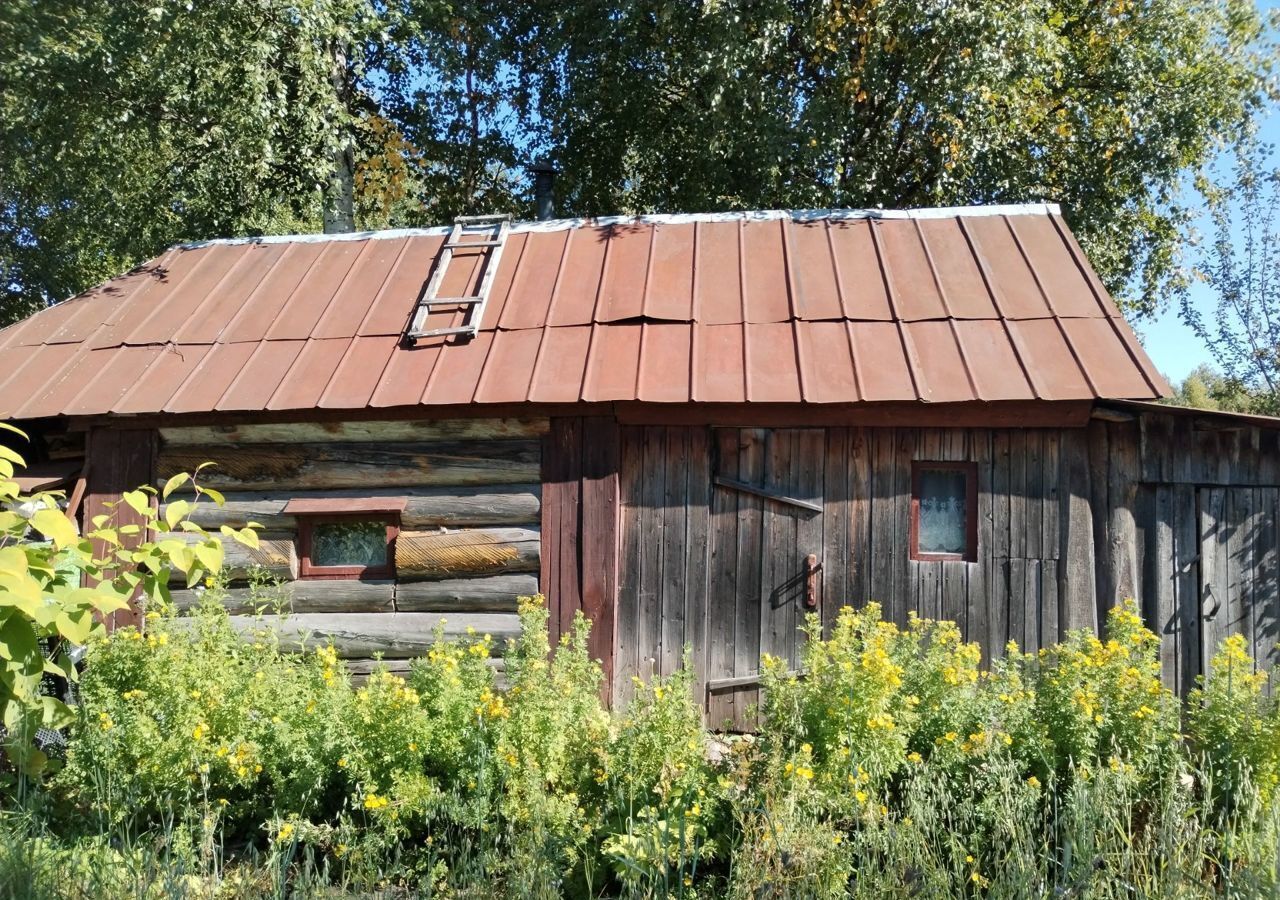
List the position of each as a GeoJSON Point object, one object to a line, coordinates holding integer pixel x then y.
{"type": "Point", "coordinates": [944, 510]}
{"type": "Point", "coordinates": [359, 545]}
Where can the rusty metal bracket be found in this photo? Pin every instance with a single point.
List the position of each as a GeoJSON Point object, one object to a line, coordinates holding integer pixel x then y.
{"type": "Point", "coordinates": [811, 569]}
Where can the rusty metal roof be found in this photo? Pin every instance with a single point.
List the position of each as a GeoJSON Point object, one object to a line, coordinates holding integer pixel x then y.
{"type": "Point", "coordinates": [983, 303]}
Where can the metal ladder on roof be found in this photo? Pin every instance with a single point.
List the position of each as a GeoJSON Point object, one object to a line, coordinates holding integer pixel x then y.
{"type": "Point", "coordinates": [492, 232]}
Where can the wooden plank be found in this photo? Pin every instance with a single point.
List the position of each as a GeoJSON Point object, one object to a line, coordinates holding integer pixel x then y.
{"type": "Point", "coordinates": [697, 556]}
{"type": "Point", "coordinates": [1031, 605]}
{"type": "Point", "coordinates": [1018, 604]}
{"type": "Point", "coordinates": [1240, 531]}
{"type": "Point", "coordinates": [777, 496]}
{"type": "Point", "coordinates": [1099, 486]}
{"type": "Point", "coordinates": [750, 595]}
{"type": "Point", "coordinates": [837, 544]}
{"type": "Point", "coordinates": [1186, 575]}
{"type": "Point", "coordinates": [354, 465]}
{"type": "Point", "coordinates": [494, 593]}
{"type": "Point", "coordinates": [883, 543]}
{"type": "Point", "coordinates": [904, 450]}
{"type": "Point", "coordinates": [860, 486]}
{"type": "Point", "coordinates": [558, 567]}
{"type": "Point", "coordinates": [630, 488]}
{"type": "Point", "coordinates": [1077, 570]}
{"type": "Point", "coordinates": [312, 596]}
{"type": "Point", "coordinates": [469, 551]}
{"type": "Point", "coordinates": [1266, 593]}
{"type": "Point", "coordinates": [927, 599]}
{"type": "Point", "coordinates": [1214, 600]}
{"type": "Point", "coordinates": [999, 628]}
{"type": "Point", "coordinates": [358, 432]}
{"type": "Point", "coordinates": [599, 535]}
{"type": "Point", "coordinates": [394, 635]}
{"type": "Point", "coordinates": [1160, 601]}
{"type": "Point", "coordinates": [1001, 472]}
{"type": "Point", "coordinates": [1047, 605]}
{"type": "Point", "coordinates": [652, 546]}
{"type": "Point", "coordinates": [117, 460]}
{"type": "Point", "coordinates": [890, 414]}
{"type": "Point", "coordinates": [722, 579]}
{"type": "Point", "coordinates": [1033, 509]}
{"type": "Point", "coordinates": [978, 613]}
{"type": "Point", "coordinates": [954, 597]}
{"type": "Point", "coordinates": [452, 507]}
{"type": "Point", "coordinates": [673, 562]}
{"type": "Point", "coordinates": [778, 569]}
{"type": "Point", "coordinates": [808, 482]}
{"type": "Point", "coordinates": [1122, 489]}
{"type": "Point", "coordinates": [276, 555]}
{"type": "Point", "coordinates": [1018, 499]}
{"type": "Point", "coordinates": [1051, 495]}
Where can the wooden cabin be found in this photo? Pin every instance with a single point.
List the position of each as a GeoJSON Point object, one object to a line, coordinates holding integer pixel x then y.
{"type": "Point", "coordinates": [694, 429]}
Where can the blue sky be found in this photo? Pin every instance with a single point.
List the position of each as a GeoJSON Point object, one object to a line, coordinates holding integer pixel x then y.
{"type": "Point", "coordinates": [1173, 346]}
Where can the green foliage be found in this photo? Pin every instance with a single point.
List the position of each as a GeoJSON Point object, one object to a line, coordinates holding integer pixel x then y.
{"type": "Point", "coordinates": [1206, 388]}
{"type": "Point", "coordinates": [1237, 726]}
{"type": "Point", "coordinates": [1239, 266]}
{"type": "Point", "coordinates": [56, 586]}
{"type": "Point", "coordinates": [125, 127]}
{"type": "Point", "coordinates": [207, 762]}
{"type": "Point", "coordinates": [1098, 105]}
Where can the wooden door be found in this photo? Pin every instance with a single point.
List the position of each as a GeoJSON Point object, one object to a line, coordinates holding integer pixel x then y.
{"type": "Point", "coordinates": [765, 550]}
{"type": "Point", "coordinates": [1238, 570]}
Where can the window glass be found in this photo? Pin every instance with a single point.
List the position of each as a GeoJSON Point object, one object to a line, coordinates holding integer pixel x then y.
{"type": "Point", "coordinates": [349, 544]}
{"type": "Point", "coordinates": [944, 514]}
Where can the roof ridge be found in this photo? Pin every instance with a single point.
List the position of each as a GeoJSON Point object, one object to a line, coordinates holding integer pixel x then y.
{"type": "Point", "coordinates": [759, 215]}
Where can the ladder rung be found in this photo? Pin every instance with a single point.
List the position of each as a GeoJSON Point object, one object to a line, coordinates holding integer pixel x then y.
{"type": "Point", "coordinates": [500, 217]}
{"type": "Point", "coordinates": [439, 332]}
{"type": "Point", "coordinates": [466, 244]}
{"type": "Point", "coordinates": [450, 301]}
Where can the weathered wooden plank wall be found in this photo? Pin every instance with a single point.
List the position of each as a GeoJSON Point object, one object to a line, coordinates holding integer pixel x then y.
{"type": "Point", "coordinates": [117, 460]}
{"type": "Point", "coordinates": [470, 542]}
{"type": "Point", "coordinates": [736, 587]}
{"type": "Point", "coordinates": [580, 522]}
{"type": "Point", "coordinates": [1186, 513]}
{"type": "Point", "coordinates": [1070, 522]}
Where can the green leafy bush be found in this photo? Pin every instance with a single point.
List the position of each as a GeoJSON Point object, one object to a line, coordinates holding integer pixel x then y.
{"type": "Point", "coordinates": [56, 585]}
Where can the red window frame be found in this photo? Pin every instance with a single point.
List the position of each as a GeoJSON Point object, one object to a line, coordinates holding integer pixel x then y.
{"type": "Point", "coordinates": [308, 570]}
{"type": "Point", "coordinates": [970, 471]}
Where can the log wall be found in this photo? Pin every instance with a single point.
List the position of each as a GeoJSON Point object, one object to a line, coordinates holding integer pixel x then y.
{"type": "Point", "coordinates": [470, 539]}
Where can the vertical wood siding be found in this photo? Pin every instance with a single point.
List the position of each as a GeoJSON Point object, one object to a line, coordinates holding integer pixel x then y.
{"type": "Point", "coordinates": [117, 460]}
{"type": "Point", "coordinates": [1070, 522]}
{"type": "Point", "coordinates": [742, 587]}
{"type": "Point", "coordinates": [580, 544]}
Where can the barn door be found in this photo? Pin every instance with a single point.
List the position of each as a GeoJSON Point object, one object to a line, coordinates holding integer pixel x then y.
{"type": "Point", "coordinates": [1238, 570]}
{"type": "Point", "coordinates": [765, 546]}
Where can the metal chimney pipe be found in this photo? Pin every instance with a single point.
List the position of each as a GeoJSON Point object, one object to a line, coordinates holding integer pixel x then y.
{"type": "Point", "coordinates": [544, 181]}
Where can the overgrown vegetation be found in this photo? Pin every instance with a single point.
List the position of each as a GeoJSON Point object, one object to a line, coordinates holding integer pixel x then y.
{"type": "Point", "coordinates": [203, 762]}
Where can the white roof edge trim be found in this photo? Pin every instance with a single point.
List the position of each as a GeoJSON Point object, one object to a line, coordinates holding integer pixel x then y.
{"type": "Point", "coordinates": [764, 215]}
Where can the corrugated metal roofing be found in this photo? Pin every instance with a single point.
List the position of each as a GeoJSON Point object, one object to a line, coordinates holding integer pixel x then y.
{"type": "Point", "coordinates": [985, 304]}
